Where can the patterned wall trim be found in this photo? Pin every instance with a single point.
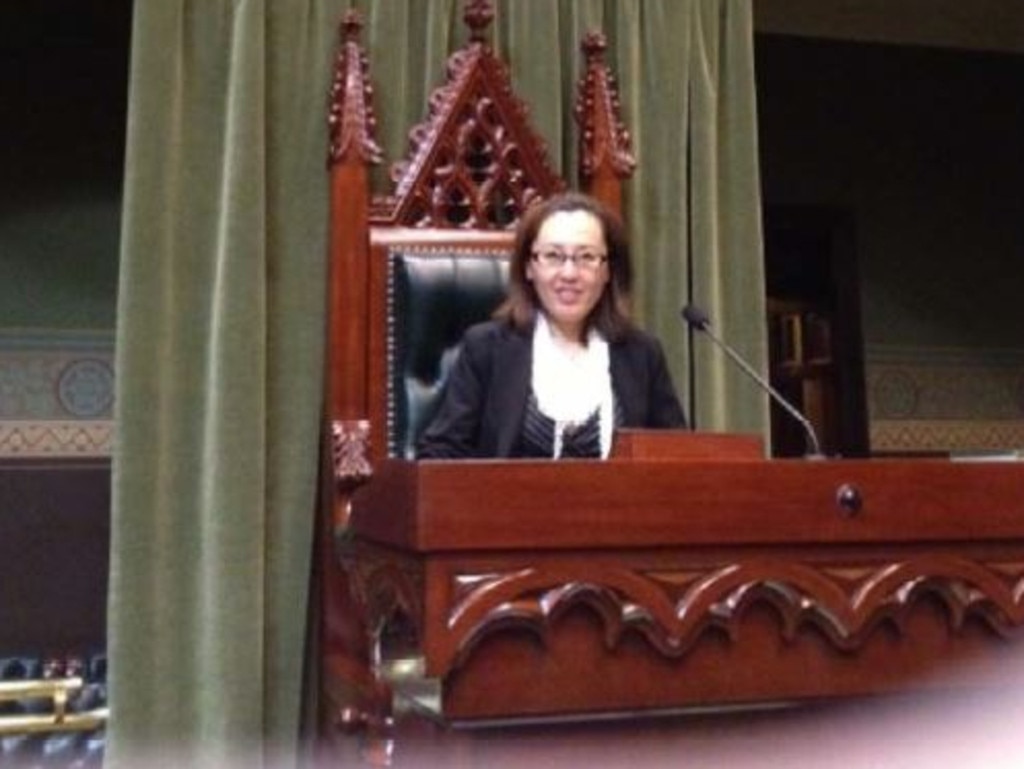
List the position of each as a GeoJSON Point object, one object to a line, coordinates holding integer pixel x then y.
{"type": "Point", "coordinates": [950, 436]}
{"type": "Point", "coordinates": [58, 375]}
{"type": "Point", "coordinates": [945, 399]}
{"type": "Point", "coordinates": [73, 438]}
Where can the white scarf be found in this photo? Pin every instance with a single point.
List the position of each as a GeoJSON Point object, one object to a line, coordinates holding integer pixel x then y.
{"type": "Point", "coordinates": [570, 387]}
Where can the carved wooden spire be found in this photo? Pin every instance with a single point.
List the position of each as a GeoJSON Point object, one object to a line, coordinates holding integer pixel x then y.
{"type": "Point", "coordinates": [352, 150]}
{"type": "Point", "coordinates": [478, 16]}
{"type": "Point", "coordinates": [606, 155]}
{"type": "Point", "coordinates": [475, 162]}
{"type": "Point", "coordinates": [351, 120]}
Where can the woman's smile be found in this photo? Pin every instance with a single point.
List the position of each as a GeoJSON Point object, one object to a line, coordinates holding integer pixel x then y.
{"type": "Point", "coordinates": [568, 270]}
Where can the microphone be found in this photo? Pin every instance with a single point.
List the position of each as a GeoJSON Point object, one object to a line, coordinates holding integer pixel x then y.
{"type": "Point", "coordinates": [697, 319]}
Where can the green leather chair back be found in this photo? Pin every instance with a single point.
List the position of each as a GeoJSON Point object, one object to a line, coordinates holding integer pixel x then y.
{"type": "Point", "coordinates": [433, 297]}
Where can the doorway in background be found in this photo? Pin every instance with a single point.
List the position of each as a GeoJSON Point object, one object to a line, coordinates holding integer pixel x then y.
{"type": "Point", "coordinates": [816, 349]}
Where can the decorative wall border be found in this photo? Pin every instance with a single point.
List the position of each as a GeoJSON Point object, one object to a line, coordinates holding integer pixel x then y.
{"type": "Point", "coordinates": [56, 393]}
{"type": "Point", "coordinates": [56, 374]}
{"type": "Point", "coordinates": [73, 438]}
{"type": "Point", "coordinates": [947, 436]}
{"type": "Point", "coordinates": [945, 399]}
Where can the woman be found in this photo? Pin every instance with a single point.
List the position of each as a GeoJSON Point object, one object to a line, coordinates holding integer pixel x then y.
{"type": "Point", "coordinates": [561, 364]}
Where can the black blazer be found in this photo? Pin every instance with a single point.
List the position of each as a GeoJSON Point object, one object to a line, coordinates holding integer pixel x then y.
{"type": "Point", "coordinates": [485, 398]}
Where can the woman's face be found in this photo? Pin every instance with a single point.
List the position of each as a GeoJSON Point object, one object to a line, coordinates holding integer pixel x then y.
{"type": "Point", "coordinates": [569, 269]}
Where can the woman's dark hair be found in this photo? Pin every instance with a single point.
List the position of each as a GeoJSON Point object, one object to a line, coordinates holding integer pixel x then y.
{"type": "Point", "coordinates": [611, 315]}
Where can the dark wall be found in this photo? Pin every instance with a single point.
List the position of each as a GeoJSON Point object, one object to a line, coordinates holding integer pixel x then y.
{"type": "Point", "coordinates": [54, 542]}
{"type": "Point", "coordinates": [923, 147]}
{"type": "Point", "coordinates": [64, 89]}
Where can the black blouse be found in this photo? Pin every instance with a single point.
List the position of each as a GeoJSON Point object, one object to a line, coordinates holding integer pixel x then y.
{"type": "Point", "coordinates": [537, 439]}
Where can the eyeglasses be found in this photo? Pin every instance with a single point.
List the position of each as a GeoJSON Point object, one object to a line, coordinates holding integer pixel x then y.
{"type": "Point", "coordinates": [584, 260]}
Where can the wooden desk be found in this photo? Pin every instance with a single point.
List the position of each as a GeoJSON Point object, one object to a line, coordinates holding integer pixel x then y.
{"type": "Point", "coordinates": [523, 589]}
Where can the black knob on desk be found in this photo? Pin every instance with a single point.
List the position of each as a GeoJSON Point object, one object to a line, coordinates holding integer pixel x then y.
{"type": "Point", "coordinates": [849, 499]}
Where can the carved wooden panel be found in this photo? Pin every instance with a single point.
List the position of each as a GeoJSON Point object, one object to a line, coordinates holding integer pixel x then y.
{"type": "Point", "coordinates": [475, 162]}
{"type": "Point", "coordinates": [672, 607]}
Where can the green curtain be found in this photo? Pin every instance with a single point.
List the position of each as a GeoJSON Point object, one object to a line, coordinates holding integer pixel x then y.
{"type": "Point", "coordinates": [219, 358]}
{"type": "Point", "coordinates": [725, 246]}
{"type": "Point", "coordinates": [221, 306]}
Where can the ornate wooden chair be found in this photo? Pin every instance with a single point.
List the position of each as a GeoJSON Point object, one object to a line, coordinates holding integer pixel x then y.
{"type": "Point", "coordinates": [474, 166]}
{"type": "Point", "coordinates": [410, 271]}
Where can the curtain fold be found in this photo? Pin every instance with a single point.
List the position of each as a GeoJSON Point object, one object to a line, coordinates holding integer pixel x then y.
{"type": "Point", "coordinates": [221, 306]}
{"type": "Point", "coordinates": [219, 359]}
{"type": "Point", "coordinates": [726, 250]}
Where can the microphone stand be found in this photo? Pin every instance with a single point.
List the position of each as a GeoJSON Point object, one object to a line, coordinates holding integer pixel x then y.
{"type": "Point", "coordinates": [696, 319]}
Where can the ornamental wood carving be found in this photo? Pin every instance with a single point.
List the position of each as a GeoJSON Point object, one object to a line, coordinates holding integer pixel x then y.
{"type": "Point", "coordinates": [475, 162]}
{"type": "Point", "coordinates": [351, 121]}
{"type": "Point", "coordinates": [387, 586]}
{"type": "Point", "coordinates": [352, 150]}
{"type": "Point", "coordinates": [673, 608]}
{"type": "Point", "coordinates": [350, 450]}
{"type": "Point", "coordinates": [606, 154]}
